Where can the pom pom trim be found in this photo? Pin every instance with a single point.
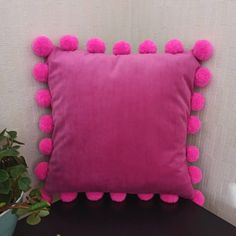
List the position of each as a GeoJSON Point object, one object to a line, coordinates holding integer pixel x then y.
{"type": "Point", "coordinates": [147, 46]}
{"type": "Point", "coordinates": [45, 196]}
{"type": "Point", "coordinates": [145, 196]}
{"type": "Point", "coordinates": [94, 196]}
{"type": "Point", "coordinates": [194, 125]}
{"type": "Point", "coordinates": [68, 197]}
{"type": "Point", "coordinates": [192, 153]}
{"type": "Point", "coordinates": [169, 198]}
{"type": "Point", "coordinates": [198, 102]}
{"type": "Point", "coordinates": [69, 43]}
{"type": "Point", "coordinates": [195, 174]}
{"type": "Point", "coordinates": [203, 77]}
{"type": "Point", "coordinates": [174, 46]}
{"type": "Point", "coordinates": [203, 50]}
{"type": "Point", "coordinates": [43, 98]}
{"type": "Point", "coordinates": [46, 146]}
{"type": "Point", "coordinates": [121, 48]}
{"type": "Point", "coordinates": [40, 72]}
{"type": "Point", "coordinates": [46, 124]}
{"type": "Point", "coordinates": [118, 197]}
{"type": "Point", "coordinates": [41, 170]}
{"type": "Point", "coordinates": [42, 46]}
{"type": "Point", "coordinates": [96, 45]}
{"type": "Point", "coordinates": [198, 198]}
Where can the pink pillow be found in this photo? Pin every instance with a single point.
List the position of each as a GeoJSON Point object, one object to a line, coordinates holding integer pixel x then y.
{"type": "Point", "coordinates": [119, 122]}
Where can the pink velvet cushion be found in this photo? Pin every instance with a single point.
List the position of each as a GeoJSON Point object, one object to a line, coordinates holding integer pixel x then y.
{"type": "Point", "coordinates": [120, 122]}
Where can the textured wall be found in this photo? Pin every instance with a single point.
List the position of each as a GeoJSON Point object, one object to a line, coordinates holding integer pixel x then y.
{"type": "Point", "coordinates": [134, 21]}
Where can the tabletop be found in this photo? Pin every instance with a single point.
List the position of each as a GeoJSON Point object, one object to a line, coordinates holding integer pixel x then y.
{"type": "Point", "coordinates": [131, 217]}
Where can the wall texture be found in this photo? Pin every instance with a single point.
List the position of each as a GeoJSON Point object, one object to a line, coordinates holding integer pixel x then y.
{"type": "Point", "coordinates": [134, 21]}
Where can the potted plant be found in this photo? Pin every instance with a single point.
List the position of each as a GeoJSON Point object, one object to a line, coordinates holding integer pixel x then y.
{"type": "Point", "coordinates": [14, 182]}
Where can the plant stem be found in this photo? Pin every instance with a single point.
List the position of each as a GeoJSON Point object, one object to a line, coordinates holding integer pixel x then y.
{"type": "Point", "coordinates": [14, 206]}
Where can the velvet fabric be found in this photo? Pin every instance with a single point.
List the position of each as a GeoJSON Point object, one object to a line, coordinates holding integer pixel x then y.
{"type": "Point", "coordinates": [120, 122]}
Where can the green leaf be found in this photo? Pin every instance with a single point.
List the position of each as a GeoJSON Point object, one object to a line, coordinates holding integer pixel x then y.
{"type": "Point", "coordinates": [35, 193]}
{"type": "Point", "coordinates": [18, 170]}
{"type": "Point", "coordinates": [16, 147]}
{"type": "Point", "coordinates": [3, 175]}
{"type": "Point", "coordinates": [2, 204]}
{"type": "Point", "coordinates": [5, 187]}
{"type": "Point", "coordinates": [21, 160]}
{"type": "Point", "coordinates": [6, 197]}
{"type": "Point", "coordinates": [44, 212]}
{"type": "Point", "coordinates": [2, 137]}
{"type": "Point", "coordinates": [24, 183]}
{"type": "Point", "coordinates": [3, 132]}
{"type": "Point", "coordinates": [20, 212]}
{"type": "Point", "coordinates": [33, 219]}
{"type": "Point", "coordinates": [39, 205]}
{"type": "Point", "coordinates": [12, 134]}
{"type": "Point", "coordinates": [8, 153]}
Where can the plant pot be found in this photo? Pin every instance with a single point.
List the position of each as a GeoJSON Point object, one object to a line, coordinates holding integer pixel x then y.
{"type": "Point", "coordinates": [8, 221]}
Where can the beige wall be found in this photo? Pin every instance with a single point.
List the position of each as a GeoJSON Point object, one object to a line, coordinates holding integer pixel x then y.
{"type": "Point", "coordinates": [134, 21]}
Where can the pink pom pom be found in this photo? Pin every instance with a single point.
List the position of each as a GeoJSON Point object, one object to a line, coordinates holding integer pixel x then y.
{"type": "Point", "coordinates": [147, 46]}
{"type": "Point", "coordinates": [43, 98]}
{"type": "Point", "coordinates": [69, 43]}
{"type": "Point", "coordinates": [192, 153]}
{"type": "Point", "coordinates": [46, 146]}
{"type": "Point", "coordinates": [118, 197]}
{"type": "Point", "coordinates": [45, 196]}
{"type": "Point", "coordinates": [203, 50]}
{"type": "Point", "coordinates": [40, 72]}
{"type": "Point", "coordinates": [198, 198]}
{"type": "Point", "coordinates": [145, 196]}
{"type": "Point", "coordinates": [42, 46]}
{"type": "Point", "coordinates": [68, 197]}
{"type": "Point", "coordinates": [121, 48]}
{"type": "Point", "coordinates": [169, 198]}
{"type": "Point", "coordinates": [195, 174]}
{"type": "Point", "coordinates": [96, 45]}
{"type": "Point", "coordinates": [198, 102]}
{"type": "Point", "coordinates": [203, 77]}
{"type": "Point", "coordinates": [41, 170]}
{"type": "Point", "coordinates": [194, 124]}
{"type": "Point", "coordinates": [174, 46]}
{"type": "Point", "coordinates": [94, 196]}
{"type": "Point", "coordinates": [46, 124]}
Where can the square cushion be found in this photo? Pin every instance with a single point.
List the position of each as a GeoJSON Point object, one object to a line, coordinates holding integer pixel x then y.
{"type": "Point", "coordinates": [120, 122]}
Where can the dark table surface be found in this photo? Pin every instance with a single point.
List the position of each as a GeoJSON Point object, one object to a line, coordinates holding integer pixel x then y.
{"type": "Point", "coordinates": [132, 217]}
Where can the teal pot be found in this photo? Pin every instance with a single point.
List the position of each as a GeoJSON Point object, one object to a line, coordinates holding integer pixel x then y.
{"type": "Point", "coordinates": [8, 221]}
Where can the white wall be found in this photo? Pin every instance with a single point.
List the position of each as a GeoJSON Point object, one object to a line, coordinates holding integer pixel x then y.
{"type": "Point", "coordinates": [134, 21]}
